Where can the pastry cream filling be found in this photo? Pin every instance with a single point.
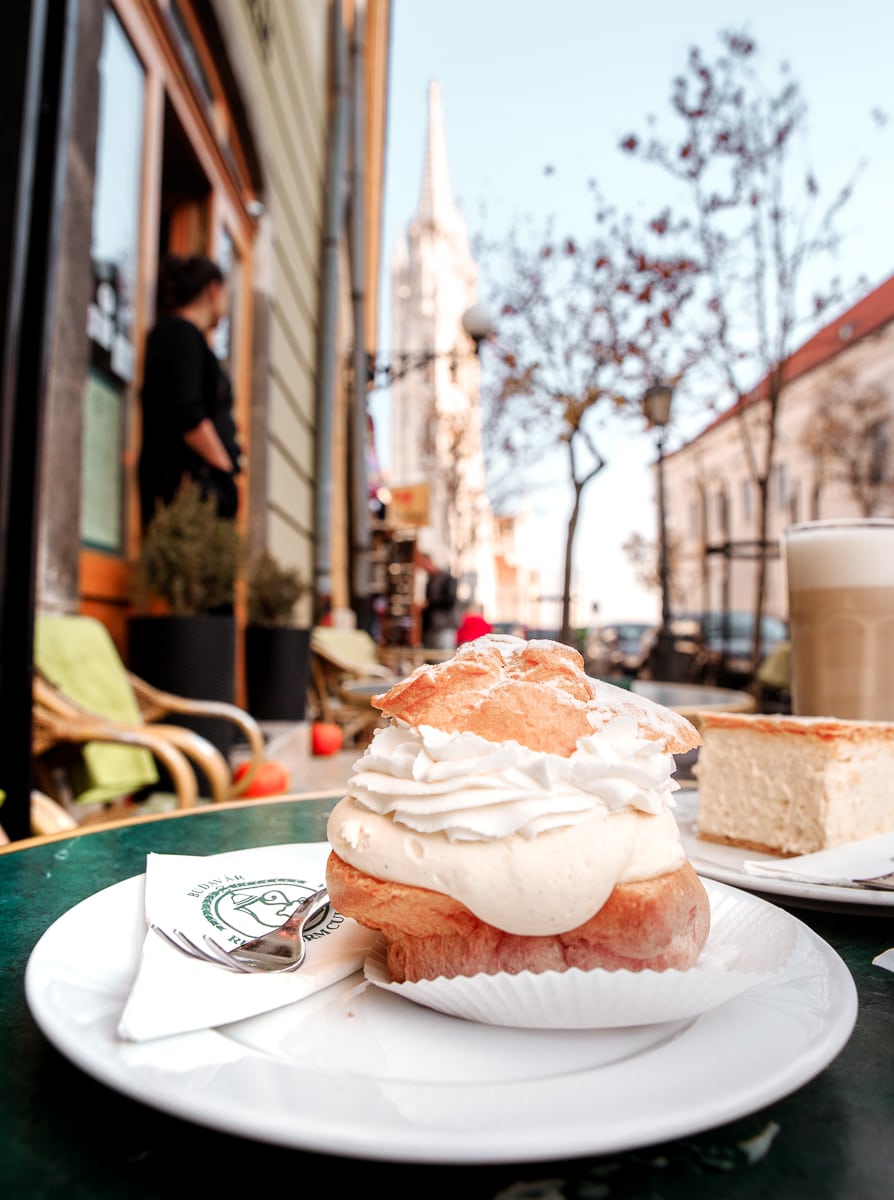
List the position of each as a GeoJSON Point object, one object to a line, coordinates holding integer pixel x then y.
{"type": "Point", "coordinates": [531, 843]}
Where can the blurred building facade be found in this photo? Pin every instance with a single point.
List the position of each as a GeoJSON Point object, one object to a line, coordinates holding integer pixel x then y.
{"type": "Point", "coordinates": [844, 372]}
{"type": "Point", "coordinates": [252, 132]}
{"type": "Point", "coordinates": [436, 379]}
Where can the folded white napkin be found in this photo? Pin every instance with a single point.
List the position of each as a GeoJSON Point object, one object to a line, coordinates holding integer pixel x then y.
{"type": "Point", "coordinates": [841, 866]}
{"type": "Point", "coordinates": [236, 895]}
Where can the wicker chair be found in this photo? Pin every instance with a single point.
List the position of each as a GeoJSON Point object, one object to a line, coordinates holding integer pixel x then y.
{"type": "Point", "coordinates": [65, 725]}
{"type": "Point", "coordinates": [47, 817]}
{"type": "Point", "coordinates": [345, 674]}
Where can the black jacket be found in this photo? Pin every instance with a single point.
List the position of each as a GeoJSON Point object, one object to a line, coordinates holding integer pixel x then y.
{"type": "Point", "coordinates": [183, 383]}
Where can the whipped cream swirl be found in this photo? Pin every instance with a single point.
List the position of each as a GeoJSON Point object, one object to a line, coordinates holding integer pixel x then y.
{"type": "Point", "coordinates": [532, 843]}
{"type": "Point", "coordinates": [470, 789]}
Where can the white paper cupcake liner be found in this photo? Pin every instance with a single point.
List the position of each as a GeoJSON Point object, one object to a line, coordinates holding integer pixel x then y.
{"type": "Point", "coordinates": [750, 940]}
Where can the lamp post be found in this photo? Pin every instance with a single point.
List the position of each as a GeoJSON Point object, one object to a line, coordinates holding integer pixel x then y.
{"type": "Point", "coordinates": [657, 407]}
{"type": "Point", "coordinates": [476, 322]}
{"type": "Point", "coordinates": [478, 325]}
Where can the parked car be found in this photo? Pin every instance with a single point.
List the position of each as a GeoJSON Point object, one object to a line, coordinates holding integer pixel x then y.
{"type": "Point", "coordinates": [616, 650]}
{"type": "Point", "coordinates": [715, 647]}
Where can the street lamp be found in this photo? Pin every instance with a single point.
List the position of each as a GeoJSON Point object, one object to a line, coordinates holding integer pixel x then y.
{"type": "Point", "coordinates": [478, 325]}
{"type": "Point", "coordinates": [657, 407]}
{"type": "Point", "coordinates": [476, 322]}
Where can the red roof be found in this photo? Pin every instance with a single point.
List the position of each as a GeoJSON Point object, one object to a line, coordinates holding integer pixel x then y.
{"type": "Point", "coordinates": [871, 313]}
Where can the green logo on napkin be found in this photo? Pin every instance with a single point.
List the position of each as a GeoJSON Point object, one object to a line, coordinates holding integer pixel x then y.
{"type": "Point", "coordinates": [249, 908]}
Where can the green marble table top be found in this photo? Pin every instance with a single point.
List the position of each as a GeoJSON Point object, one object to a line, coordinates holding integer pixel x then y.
{"type": "Point", "coordinates": [64, 1134]}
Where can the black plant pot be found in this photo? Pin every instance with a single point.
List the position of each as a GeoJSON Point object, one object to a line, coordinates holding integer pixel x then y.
{"type": "Point", "coordinates": [192, 656]}
{"type": "Point", "coordinates": [277, 669]}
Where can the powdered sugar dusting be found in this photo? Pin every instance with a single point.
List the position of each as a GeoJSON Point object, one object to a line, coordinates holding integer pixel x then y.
{"type": "Point", "coordinates": [610, 700]}
{"type": "Point", "coordinates": [495, 666]}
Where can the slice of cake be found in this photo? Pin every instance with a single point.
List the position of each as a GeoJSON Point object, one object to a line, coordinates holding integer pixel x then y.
{"type": "Point", "coordinates": [793, 785]}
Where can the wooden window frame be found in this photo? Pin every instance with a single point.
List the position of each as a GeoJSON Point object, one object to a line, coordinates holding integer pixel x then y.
{"type": "Point", "coordinates": [105, 579]}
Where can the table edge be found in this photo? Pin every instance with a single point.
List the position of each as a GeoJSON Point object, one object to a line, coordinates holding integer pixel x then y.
{"type": "Point", "coordinates": [147, 818]}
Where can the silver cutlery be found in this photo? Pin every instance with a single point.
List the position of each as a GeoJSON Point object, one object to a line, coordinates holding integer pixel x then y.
{"type": "Point", "coordinates": [884, 883]}
{"type": "Point", "coordinates": [278, 951]}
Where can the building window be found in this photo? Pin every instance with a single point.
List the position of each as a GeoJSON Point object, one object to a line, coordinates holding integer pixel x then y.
{"type": "Point", "coordinates": [723, 515]}
{"type": "Point", "coordinates": [794, 503]}
{"type": "Point", "coordinates": [782, 496]}
{"type": "Point", "coordinates": [190, 54]}
{"type": "Point", "coordinates": [116, 205]}
{"type": "Point", "coordinates": [878, 440]}
{"type": "Point", "coordinates": [228, 261]}
{"type": "Point", "coordinates": [110, 314]}
{"type": "Point", "coordinates": [747, 499]}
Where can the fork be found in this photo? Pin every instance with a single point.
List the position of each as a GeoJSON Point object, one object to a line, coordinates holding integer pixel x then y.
{"type": "Point", "coordinates": [884, 883]}
{"type": "Point", "coordinates": [278, 951]}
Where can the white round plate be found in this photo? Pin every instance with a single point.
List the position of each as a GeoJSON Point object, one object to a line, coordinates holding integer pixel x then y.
{"type": "Point", "coordinates": [357, 1071]}
{"type": "Point", "coordinates": [714, 860]}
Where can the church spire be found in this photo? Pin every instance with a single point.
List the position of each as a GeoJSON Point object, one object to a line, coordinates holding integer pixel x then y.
{"type": "Point", "coordinates": [436, 206]}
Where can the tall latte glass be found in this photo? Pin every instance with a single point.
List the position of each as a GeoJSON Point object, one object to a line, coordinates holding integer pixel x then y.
{"type": "Point", "coordinates": [841, 612]}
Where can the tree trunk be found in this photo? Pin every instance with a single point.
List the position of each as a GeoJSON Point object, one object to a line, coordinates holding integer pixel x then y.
{"type": "Point", "coordinates": [760, 583]}
{"type": "Point", "coordinates": [763, 516]}
{"type": "Point", "coordinates": [570, 533]}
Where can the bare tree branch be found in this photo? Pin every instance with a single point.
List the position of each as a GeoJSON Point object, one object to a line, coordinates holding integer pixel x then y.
{"type": "Point", "coordinates": [849, 437]}
{"type": "Point", "coordinates": [584, 327]}
{"type": "Point", "coordinates": [756, 221]}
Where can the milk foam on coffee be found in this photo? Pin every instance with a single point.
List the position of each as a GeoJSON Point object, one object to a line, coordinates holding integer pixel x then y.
{"type": "Point", "coordinates": [841, 611]}
{"type": "Point", "coordinates": [832, 554]}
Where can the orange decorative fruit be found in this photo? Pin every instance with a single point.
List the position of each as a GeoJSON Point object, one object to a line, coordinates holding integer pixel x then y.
{"type": "Point", "coordinates": [272, 779]}
{"type": "Point", "coordinates": [326, 737]}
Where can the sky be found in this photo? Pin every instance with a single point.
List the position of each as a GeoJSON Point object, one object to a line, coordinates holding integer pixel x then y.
{"type": "Point", "coordinates": [528, 85]}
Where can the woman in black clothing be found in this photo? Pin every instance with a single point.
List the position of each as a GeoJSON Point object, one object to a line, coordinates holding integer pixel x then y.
{"type": "Point", "coordinates": [188, 426]}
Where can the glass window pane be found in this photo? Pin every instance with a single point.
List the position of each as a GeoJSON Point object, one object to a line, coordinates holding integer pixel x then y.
{"type": "Point", "coordinates": [101, 452]}
{"type": "Point", "coordinates": [110, 315]}
{"type": "Point", "coordinates": [222, 340]}
{"type": "Point", "coordinates": [116, 203]}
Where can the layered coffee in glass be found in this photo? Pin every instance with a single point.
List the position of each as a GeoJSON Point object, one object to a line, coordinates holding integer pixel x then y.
{"type": "Point", "coordinates": [841, 612]}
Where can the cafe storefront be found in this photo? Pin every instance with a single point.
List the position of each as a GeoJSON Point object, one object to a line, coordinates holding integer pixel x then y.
{"type": "Point", "coordinates": [174, 171]}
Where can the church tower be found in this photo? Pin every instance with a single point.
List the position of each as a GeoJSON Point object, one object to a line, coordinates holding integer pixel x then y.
{"type": "Point", "coordinates": [435, 413]}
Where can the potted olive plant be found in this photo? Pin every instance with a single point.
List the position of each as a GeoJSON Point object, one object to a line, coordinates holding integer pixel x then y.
{"type": "Point", "coordinates": [277, 648]}
{"type": "Point", "coordinates": [184, 639]}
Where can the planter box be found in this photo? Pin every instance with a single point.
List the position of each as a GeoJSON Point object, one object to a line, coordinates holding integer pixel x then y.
{"type": "Point", "coordinates": [190, 656]}
{"type": "Point", "coordinates": [277, 669]}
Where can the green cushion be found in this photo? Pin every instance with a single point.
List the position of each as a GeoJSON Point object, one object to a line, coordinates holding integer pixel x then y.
{"type": "Point", "coordinates": [77, 654]}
